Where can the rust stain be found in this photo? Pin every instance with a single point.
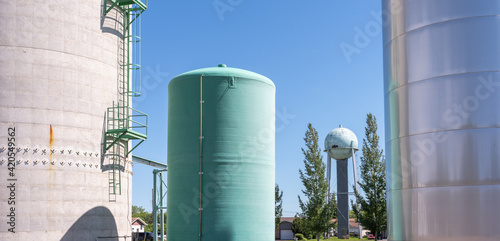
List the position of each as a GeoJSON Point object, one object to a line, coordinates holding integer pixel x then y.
{"type": "Point", "coordinates": [51, 136]}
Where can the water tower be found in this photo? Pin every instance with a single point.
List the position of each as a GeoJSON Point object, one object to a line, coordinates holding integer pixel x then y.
{"type": "Point", "coordinates": [340, 144]}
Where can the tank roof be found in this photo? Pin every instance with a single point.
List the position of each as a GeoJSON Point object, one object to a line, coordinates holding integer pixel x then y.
{"type": "Point", "coordinates": [223, 70]}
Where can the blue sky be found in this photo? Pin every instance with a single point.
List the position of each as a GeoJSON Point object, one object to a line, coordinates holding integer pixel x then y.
{"type": "Point", "coordinates": [324, 56]}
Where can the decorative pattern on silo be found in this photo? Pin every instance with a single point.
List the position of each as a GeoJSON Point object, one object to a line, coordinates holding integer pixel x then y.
{"type": "Point", "coordinates": [221, 127]}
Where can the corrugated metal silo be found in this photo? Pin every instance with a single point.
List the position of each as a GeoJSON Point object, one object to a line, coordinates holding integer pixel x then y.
{"type": "Point", "coordinates": [442, 83]}
{"type": "Point", "coordinates": [60, 69]}
{"type": "Point", "coordinates": [221, 141]}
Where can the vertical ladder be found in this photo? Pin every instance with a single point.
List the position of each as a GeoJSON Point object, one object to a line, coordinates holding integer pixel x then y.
{"type": "Point", "coordinates": [115, 167]}
{"type": "Point", "coordinates": [125, 124]}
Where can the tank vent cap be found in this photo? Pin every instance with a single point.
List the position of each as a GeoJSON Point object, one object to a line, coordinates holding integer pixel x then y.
{"type": "Point", "coordinates": [222, 65]}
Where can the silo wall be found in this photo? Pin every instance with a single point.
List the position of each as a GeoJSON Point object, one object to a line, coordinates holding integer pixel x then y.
{"type": "Point", "coordinates": [235, 156]}
{"type": "Point", "coordinates": [59, 71]}
{"type": "Point", "coordinates": [442, 98]}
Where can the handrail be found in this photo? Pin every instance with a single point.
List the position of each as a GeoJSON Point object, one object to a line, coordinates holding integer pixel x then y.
{"type": "Point", "coordinates": [118, 121]}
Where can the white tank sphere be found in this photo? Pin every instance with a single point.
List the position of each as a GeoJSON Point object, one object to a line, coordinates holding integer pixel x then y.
{"type": "Point", "coordinates": [339, 142]}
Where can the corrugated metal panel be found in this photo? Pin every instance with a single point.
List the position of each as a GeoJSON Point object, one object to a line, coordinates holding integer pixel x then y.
{"type": "Point", "coordinates": [442, 119]}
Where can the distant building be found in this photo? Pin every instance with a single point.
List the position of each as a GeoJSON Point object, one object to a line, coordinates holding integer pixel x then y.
{"type": "Point", "coordinates": [138, 225]}
{"type": "Point", "coordinates": [284, 231]}
{"type": "Point", "coordinates": [353, 228]}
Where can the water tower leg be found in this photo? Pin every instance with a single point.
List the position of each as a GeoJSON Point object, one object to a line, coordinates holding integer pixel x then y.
{"type": "Point", "coordinates": [329, 177]}
{"type": "Point", "coordinates": [342, 199]}
{"type": "Point", "coordinates": [356, 189]}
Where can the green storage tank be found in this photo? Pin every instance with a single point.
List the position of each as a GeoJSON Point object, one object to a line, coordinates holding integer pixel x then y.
{"type": "Point", "coordinates": [221, 126]}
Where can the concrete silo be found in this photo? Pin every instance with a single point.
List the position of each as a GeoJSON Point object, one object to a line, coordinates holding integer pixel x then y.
{"type": "Point", "coordinates": [221, 155]}
{"type": "Point", "coordinates": [442, 83]}
{"type": "Point", "coordinates": [64, 96]}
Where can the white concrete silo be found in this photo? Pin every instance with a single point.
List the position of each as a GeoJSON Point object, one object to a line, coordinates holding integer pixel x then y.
{"type": "Point", "coordinates": [60, 69]}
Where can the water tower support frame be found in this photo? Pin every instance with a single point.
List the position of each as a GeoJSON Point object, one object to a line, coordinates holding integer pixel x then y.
{"type": "Point", "coordinates": [342, 199]}
{"type": "Point", "coordinates": [329, 176]}
{"type": "Point", "coordinates": [356, 189]}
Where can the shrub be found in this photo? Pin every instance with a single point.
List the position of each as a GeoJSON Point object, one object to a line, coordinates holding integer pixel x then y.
{"type": "Point", "coordinates": [299, 236]}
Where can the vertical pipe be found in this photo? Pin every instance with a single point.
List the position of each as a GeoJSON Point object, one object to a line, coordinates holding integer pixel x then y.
{"type": "Point", "coordinates": [201, 152]}
{"type": "Point", "coordinates": [162, 218]}
{"type": "Point", "coordinates": [155, 206]}
{"type": "Point", "coordinates": [328, 176]}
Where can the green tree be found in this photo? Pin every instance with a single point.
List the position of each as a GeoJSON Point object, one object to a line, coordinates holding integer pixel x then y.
{"type": "Point", "coordinates": [352, 214]}
{"type": "Point", "coordinates": [299, 226]}
{"type": "Point", "coordinates": [137, 210]}
{"type": "Point", "coordinates": [278, 205]}
{"type": "Point", "coordinates": [315, 209]}
{"type": "Point", "coordinates": [373, 213]}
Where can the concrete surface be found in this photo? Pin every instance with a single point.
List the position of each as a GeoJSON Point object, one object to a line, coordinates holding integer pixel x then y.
{"type": "Point", "coordinates": [59, 71]}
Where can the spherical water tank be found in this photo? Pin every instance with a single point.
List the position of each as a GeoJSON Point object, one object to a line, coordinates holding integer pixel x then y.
{"type": "Point", "coordinates": [221, 128]}
{"type": "Point", "coordinates": [340, 142]}
{"type": "Point", "coordinates": [59, 65]}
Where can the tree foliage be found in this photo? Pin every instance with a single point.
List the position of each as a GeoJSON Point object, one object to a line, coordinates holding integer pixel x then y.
{"type": "Point", "coordinates": [373, 213]}
{"type": "Point", "coordinates": [278, 205]}
{"type": "Point", "coordinates": [299, 226]}
{"type": "Point", "coordinates": [315, 209]}
{"type": "Point", "coordinates": [352, 214]}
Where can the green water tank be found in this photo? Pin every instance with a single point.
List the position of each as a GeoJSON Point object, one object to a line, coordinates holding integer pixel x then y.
{"type": "Point", "coordinates": [221, 141]}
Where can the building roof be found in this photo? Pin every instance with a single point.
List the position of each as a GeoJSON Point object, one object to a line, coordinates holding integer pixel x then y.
{"type": "Point", "coordinates": [287, 219]}
{"type": "Point", "coordinates": [138, 221]}
{"type": "Point", "coordinates": [353, 224]}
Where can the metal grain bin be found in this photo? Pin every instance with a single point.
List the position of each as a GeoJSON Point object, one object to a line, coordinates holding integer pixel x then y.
{"type": "Point", "coordinates": [442, 83]}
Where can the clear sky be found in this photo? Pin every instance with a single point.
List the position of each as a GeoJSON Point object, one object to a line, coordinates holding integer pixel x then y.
{"type": "Point", "coordinates": [324, 56]}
